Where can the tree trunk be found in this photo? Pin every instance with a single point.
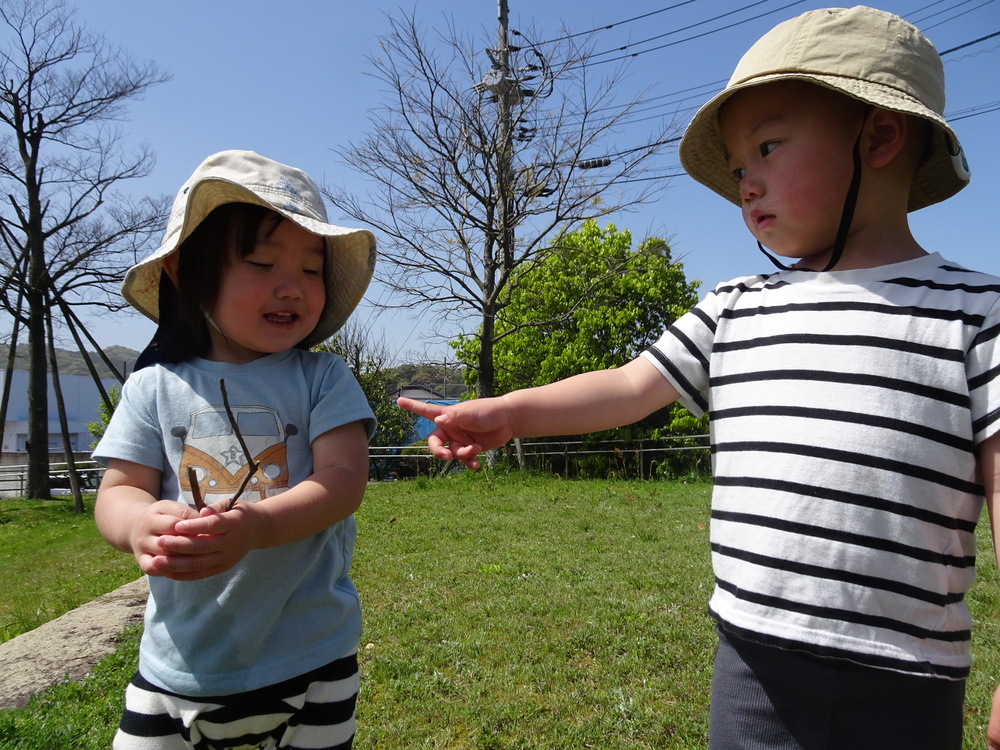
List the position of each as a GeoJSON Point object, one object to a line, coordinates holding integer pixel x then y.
{"type": "Point", "coordinates": [8, 376]}
{"type": "Point", "coordinates": [38, 406]}
{"type": "Point", "coordinates": [74, 478]}
{"type": "Point", "coordinates": [485, 382]}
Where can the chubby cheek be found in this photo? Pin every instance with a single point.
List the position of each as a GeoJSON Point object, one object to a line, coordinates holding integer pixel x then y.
{"type": "Point", "coordinates": [810, 190]}
{"type": "Point", "coordinates": [317, 298]}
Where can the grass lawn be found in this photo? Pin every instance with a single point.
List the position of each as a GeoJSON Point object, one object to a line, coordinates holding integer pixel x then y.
{"type": "Point", "coordinates": [518, 612]}
{"type": "Point", "coordinates": [52, 560]}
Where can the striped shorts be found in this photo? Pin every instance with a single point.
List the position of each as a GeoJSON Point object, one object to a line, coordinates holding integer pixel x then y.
{"type": "Point", "coordinates": [314, 711]}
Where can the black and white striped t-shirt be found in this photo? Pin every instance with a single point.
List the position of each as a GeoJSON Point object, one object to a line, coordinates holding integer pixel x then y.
{"type": "Point", "coordinates": [846, 409]}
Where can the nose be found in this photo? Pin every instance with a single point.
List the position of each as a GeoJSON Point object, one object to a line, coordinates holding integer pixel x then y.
{"type": "Point", "coordinates": [750, 187]}
{"type": "Point", "coordinates": [288, 287]}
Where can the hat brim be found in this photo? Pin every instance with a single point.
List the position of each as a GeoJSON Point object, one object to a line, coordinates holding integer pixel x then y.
{"type": "Point", "coordinates": [942, 174]}
{"type": "Point", "coordinates": [349, 267]}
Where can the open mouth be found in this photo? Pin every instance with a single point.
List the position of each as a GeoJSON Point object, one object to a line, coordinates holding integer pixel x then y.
{"type": "Point", "coordinates": [761, 220]}
{"type": "Point", "coordinates": [284, 319]}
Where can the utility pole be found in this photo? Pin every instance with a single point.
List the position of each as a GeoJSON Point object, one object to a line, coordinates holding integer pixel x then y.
{"type": "Point", "coordinates": [505, 88]}
{"type": "Point", "coordinates": [508, 91]}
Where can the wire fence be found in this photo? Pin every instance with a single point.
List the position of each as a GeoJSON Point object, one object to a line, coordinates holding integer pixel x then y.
{"type": "Point", "coordinates": [643, 459]}
{"type": "Point", "coordinates": [670, 456]}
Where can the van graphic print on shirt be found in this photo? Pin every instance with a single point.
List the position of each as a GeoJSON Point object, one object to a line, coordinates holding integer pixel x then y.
{"type": "Point", "coordinates": [210, 446]}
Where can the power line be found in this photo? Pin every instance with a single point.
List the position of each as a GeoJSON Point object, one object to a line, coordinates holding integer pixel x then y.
{"type": "Point", "coordinates": [717, 86]}
{"type": "Point", "coordinates": [969, 44]}
{"type": "Point", "coordinates": [749, 6]}
{"type": "Point", "coordinates": [618, 23]}
{"type": "Point", "coordinates": [952, 18]}
{"type": "Point", "coordinates": [677, 97]}
{"type": "Point", "coordinates": [980, 109]}
{"type": "Point", "coordinates": [691, 38]}
{"type": "Point", "coordinates": [688, 28]}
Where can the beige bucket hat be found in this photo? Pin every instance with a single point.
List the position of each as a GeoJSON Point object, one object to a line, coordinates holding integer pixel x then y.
{"type": "Point", "coordinates": [869, 55]}
{"type": "Point", "coordinates": [246, 177]}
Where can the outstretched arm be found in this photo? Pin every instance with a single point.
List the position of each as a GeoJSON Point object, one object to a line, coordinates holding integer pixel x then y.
{"type": "Point", "coordinates": [989, 463]}
{"type": "Point", "coordinates": [590, 402]}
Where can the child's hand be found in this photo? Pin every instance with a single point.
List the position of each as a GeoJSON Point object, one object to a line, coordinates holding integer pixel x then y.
{"type": "Point", "coordinates": [464, 430]}
{"type": "Point", "coordinates": [151, 525]}
{"type": "Point", "coordinates": [203, 544]}
{"type": "Point", "coordinates": [171, 539]}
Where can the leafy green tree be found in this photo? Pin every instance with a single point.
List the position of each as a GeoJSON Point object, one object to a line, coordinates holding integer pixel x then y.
{"type": "Point", "coordinates": [593, 303]}
{"type": "Point", "coordinates": [104, 412]}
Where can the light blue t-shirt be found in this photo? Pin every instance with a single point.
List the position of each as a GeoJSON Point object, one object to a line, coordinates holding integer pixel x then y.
{"type": "Point", "coordinates": [282, 611]}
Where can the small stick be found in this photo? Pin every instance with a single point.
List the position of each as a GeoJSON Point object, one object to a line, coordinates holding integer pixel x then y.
{"type": "Point", "coordinates": [251, 464]}
{"type": "Point", "coordinates": [199, 503]}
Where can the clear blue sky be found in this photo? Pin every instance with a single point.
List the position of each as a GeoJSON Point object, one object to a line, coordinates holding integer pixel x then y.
{"type": "Point", "coordinates": [291, 81]}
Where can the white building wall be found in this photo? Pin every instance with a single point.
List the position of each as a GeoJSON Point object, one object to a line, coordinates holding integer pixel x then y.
{"type": "Point", "coordinates": [82, 400]}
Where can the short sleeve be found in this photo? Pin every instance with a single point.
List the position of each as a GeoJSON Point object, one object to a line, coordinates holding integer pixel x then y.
{"type": "Point", "coordinates": [337, 398]}
{"type": "Point", "coordinates": [682, 354]}
{"type": "Point", "coordinates": [133, 433]}
{"type": "Point", "coordinates": [983, 370]}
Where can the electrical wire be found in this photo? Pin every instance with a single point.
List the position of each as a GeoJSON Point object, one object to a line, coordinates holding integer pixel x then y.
{"type": "Point", "coordinates": [690, 38]}
{"type": "Point", "coordinates": [688, 28]}
{"type": "Point", "coordinates": [619, 23]}
{"type": "Point", "coordinates": [969, 44]}
{"type": "Point", "coordinates": [704, 86]}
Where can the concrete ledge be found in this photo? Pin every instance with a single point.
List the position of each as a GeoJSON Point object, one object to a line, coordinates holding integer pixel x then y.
{"type": "Point", "coordinates": [68, 647]}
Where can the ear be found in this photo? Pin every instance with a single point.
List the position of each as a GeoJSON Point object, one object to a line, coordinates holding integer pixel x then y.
{"type": "Point", "coordinates": [170, 264]}
{"type": "Point", "coordinates": [887, 135]}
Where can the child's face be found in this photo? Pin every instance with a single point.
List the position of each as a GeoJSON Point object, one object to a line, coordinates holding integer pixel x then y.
{"type": "Point", "coordinates": [790, 144]}
{"type": "Point", "coordinates": [271, 299]}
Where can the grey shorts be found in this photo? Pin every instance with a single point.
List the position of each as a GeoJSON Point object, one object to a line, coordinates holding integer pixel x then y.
{"type": "Point", "coordinates": [767, 698]}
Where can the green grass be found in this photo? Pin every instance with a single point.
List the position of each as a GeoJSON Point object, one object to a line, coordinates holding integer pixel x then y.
{"type": "Point", "coordinates": [518, 612]}
{"type": "Point", "coordinates": [52, 560]}
{"type": "Point", "coordinates": [76, 715]}
{"type": "Point", "coordinates": [525, 613]}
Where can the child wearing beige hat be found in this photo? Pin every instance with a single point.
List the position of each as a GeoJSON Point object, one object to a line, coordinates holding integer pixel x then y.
{"type": "Point", "coordinates": [854, 396]}
{"type": "Point", "coordinates": [235, 461]}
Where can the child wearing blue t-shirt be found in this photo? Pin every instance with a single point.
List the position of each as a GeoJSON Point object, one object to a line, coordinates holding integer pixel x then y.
{"type": "Point", "coordinates": [235, 461]}
{"type": "Point", "coordinates": [854, 396]}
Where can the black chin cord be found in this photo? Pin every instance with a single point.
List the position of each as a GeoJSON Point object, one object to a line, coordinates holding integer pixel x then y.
{"type": "Point", "coordinates": [846, 216]}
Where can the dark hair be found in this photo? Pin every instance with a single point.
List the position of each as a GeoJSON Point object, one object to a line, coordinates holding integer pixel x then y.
{"type": "Point", "coordinates": [229, 231]}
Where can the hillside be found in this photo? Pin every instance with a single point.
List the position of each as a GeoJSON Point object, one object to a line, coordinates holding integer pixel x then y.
{"type": "Point", "coordinates": [72, 362]}
{"type": "Point", "coordinates": [442, 378]}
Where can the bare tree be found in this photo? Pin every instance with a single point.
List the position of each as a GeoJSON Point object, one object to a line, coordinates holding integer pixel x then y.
{"type": "Point", "coordinates": [368, 358]}
{"type": "Point", "coordinates": [66, 237]}
{"type": "Point", "coordinates": [480, 159]}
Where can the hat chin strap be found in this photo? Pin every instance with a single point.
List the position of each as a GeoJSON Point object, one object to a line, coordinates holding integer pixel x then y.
{"type": "Point", "coordinates": [213, 324]}
{"type": "Point", "coordinates": [210, 321]}
{"type": "Point", "coordinates": [846, 216]}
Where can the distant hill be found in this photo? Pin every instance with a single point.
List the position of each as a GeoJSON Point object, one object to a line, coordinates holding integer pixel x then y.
{"type": "Point", "coordinates": [72, 362]}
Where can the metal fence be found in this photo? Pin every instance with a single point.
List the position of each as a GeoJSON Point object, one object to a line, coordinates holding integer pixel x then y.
{"type": "Point", "coordinates": [14, 478]}
{"type": "Point", "coordinates": [639, 457]}
{"type": "Point", "coordinates": [389, 463]}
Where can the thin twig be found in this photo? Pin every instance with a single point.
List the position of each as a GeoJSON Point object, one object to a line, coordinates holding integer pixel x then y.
{"type": "Point", "coordinates": [199, 503]}
{"type": "Point", "coordinates": [251, 464]}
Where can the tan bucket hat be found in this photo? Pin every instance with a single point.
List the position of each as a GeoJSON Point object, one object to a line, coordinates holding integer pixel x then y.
{"type": "Point", "coordinates": [246, 177]}
{"type": "Point", "coordinates": [867, 54]}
